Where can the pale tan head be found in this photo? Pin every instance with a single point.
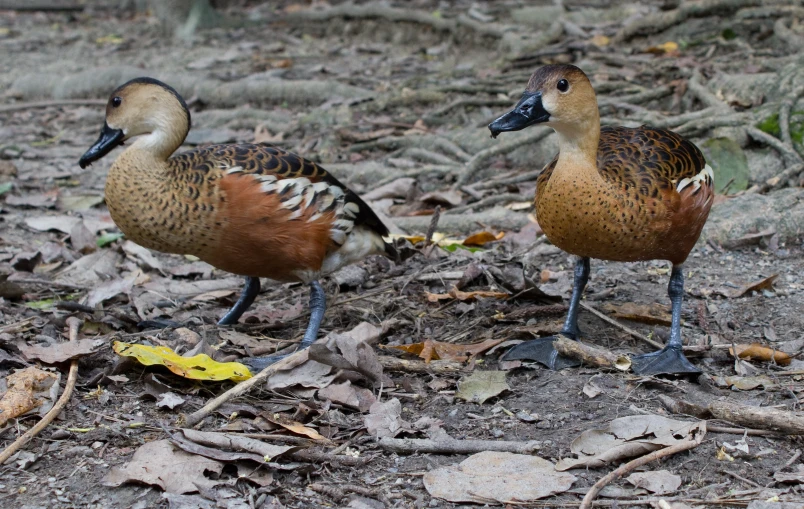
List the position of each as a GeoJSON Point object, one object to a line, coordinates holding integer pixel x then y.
{"type": "Point", "coordinates": [560, 96]}
{"type": "Point", "coordinates": [147, 108]}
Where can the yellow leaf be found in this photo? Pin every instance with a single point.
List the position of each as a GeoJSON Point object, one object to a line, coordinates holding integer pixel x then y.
{"type": "Point", "coordinates": [600, 40]}
{"type": "Point", "coordinates": [198, 367]}
{"type": "Point", "coordinates": [757, 352]}
{"type": "Point", "coordinates": [109, 39]}
{"type": "Point", "coordinates": [663, 49]}
{"type": "Point", "coordinates": [482, 238]}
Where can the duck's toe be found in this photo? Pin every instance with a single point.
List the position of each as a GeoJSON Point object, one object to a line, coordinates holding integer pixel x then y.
{"type": "Point", "coordinates": [542, 351]}
{"type": "Point", "coordinates": [667, 361]}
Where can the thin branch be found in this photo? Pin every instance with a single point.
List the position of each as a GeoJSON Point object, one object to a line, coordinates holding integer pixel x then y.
{"type": "Point", "coordinates": [74, 325]}
{"type": "Point", "coordinates": [644, 460]}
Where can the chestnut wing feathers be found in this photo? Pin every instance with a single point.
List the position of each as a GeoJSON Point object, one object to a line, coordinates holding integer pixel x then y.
{"type": "Point", "coordinates": [269, 161]}
{"type": "Point", "coordinates": [648, 160]}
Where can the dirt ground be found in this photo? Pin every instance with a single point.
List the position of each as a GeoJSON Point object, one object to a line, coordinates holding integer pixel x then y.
{"type": "Point", "coordinates": [375, 97]}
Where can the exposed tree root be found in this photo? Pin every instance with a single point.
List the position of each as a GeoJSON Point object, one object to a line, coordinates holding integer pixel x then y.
{"type": "Point", "coordinates": [792, 39]}
{"type": "Point", "coordinates": [98, 83]}
{"type": "Point", "coordinates": [480, 159]}
{"type": "Point", "coordinates": [429, 142]}
{"type": "Point", "coordinates": [496, 217]}
{"type": "Point", "coordinates": [660, 21]}
{"type": "Point", "coordinates": [379, 11]}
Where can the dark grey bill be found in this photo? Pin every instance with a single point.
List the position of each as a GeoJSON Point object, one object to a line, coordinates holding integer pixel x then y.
{"type": "Point", "coordinates": [528, 111]}
{"type": "Point", "coordinates": [109, 138]}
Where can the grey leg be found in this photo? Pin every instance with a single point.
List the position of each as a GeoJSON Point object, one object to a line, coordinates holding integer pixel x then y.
{"type": "Point", "coordinates": [542, 350]}
{"type": "Point", "coordinates": [245, 301]}
{"type": "Point", "coordinates": [669, 360]}
{"type": "Point", "coordinates": [318, 306]}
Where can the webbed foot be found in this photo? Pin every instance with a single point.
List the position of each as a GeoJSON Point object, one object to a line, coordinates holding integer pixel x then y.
{"type": "Point", "coordinates": [542, 351]}
{"type": "Point", "coordinates": [668, 361]}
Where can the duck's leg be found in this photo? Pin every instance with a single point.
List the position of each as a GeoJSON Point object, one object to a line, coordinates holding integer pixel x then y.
{"type": "Point", "coordinates": [542, 349]}
{"type": "Point", "coordinates": [318, 305]}
{"type": "Point", "coordinates": [246, 299]}
{"type": "Point", "coordinates": [669, 360]}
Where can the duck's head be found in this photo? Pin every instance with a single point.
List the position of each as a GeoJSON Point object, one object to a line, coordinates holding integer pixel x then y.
{"type": "Point", "coordinates": [142, 107]}
{"type": "Point", "coordinates": [560, 96]}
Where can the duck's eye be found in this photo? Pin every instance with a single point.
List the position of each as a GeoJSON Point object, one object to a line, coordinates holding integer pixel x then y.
{"type": "Point", "coordinates": [116, 101]}
{"type": "Point", "coordinates": [563, 85]}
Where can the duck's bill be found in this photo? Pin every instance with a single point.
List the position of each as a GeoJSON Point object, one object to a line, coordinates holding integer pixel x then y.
{"type": "Point", "coordinates": [109, 138]}
{"type": "Point", "coordinates": [528, 111]}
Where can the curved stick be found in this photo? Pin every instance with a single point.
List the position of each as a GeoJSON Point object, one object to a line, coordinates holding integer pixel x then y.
{"type": "Point", "coordinates": [644, 460]}
{"type": "Point", "coordinates": [72, 377]}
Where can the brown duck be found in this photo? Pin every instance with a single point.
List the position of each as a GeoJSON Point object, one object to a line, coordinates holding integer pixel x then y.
{"type": "Point", "coordinates": [250, 209]}
{"type": "Point", "coordinates": [613, 193]}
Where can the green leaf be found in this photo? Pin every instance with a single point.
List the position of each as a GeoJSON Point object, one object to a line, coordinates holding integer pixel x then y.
{"type": "Point", "coordinates": [41, 304]}
{"type": "Point", "coordinates": [5, 187]}
{"type": "Point", "coordinates": [729, 164]}
{"type": "Point", "coordinates": [107, 238]}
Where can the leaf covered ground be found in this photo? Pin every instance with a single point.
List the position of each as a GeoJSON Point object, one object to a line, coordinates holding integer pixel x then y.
{"type": "Point", "coordinates": [393, 98]}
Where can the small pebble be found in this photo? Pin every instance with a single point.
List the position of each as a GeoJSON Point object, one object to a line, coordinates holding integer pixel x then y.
{"type": "Point", "coordinates": [497, 433]}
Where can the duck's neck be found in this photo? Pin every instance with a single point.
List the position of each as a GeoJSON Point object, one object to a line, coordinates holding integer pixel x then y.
{"type": "Point", "coordinates": [578, 144]}
{"type": "Point", "coordinates": [160, 143]}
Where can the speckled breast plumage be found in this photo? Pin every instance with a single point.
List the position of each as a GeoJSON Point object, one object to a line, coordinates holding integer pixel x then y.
{"type": "Point", "coordinates": [633, 210]}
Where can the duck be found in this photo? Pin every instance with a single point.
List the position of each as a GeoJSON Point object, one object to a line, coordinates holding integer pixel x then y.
{"type": "Point", "coordinates": [612, 193]}
{"type": "Point", "coordinates": [251, 209]}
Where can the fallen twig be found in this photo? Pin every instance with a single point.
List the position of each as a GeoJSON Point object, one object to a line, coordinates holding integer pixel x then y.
{"type": "Point", "coordinates": [768, 420]}
{"type": "Point", "coordinates": [416, 366]}
{"type": "Point", "coordinates": [74, 325]}
{"type": "Point", "coordinates": [644, 460]}
{"type": "Point", "coordinates": [243, 387]}
{"type": "Point", "coordinates": [449, 445]}
{"type": "Point", "coordinates": [758, 417]}
{"type": "Point", "coordinates": [590, 355]}
{"type": "Point", "coordinates": [617, 324]}
{"type": "Point", "coordinates": [777, 180]}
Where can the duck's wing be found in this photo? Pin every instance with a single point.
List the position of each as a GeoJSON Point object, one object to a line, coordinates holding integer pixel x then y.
{"type": "Point", "coordinates": [651, 161]}
{"type": "Point", "coordinates": [271, 162]}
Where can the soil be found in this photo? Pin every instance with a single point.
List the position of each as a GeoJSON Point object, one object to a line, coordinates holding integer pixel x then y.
{"type": "Point", "coordinates": [402, 83]}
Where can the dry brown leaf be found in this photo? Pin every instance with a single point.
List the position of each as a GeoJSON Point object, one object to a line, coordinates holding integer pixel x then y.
{"type": "Point", "coordinates": [658, 482]}
{"type": "Point", "coordinates": [651, 314]}
{"type": "Point", "coordinates": [111, 289]}
{"type": "Point", "coordinates": [747, 383]}
{"type": "Point", "coordinates": [446, 198]}
{"type": "Point", "coordinates": [762, 284]}
{"type": "Point", "coordinates": [349, 395]}
{"type": "Point", "coordinates": [482, 238]}
{"type": "Point", "coordinates": [600, 40]}
{"type": "Point", "coordinates": [385, 419]}
{"type": "Point", "coordinates": [25, 389]}
{"type": "Point", "coordinates": [436, 350]}
{"type": "Point", "coordinates": [60, 352]}
{"type": "Point", "coordinates": [158, 463]}
{"type": "Point", "coordinates": [757, 352]}
{"type": "Point", "coordinates": [291, 425]}
{"type": "Point", "coordinates": [481, 386]}
{"type": "Point", "coordinates": [497, 478]}
{"type": "Point", "coordinates": [454, 293]}
{"type": "Point", "coordinates": [627, 437]}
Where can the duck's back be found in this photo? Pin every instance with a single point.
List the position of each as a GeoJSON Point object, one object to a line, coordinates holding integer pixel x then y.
{"type": "Point", "coordinates": [250, 209]}
{"type": "Point", "coordinates": [650, 202]}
